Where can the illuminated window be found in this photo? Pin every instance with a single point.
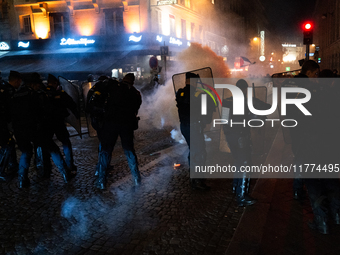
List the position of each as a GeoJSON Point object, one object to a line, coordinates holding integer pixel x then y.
{"type": "Point", "coordinates": [172, 25]}
{"type": "Point", "coordinates": [27, 24]}
{"type": "Point", "coordinates": [59, 24]}
{"type": "Point", "coordinates": [187, 3]}
{"type": "Point", "coordinates": [192, 31]}
{"type": "Point", "coordinates": [184, 29]}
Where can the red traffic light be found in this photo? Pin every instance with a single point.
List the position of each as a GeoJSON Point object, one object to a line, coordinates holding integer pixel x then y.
{"type": "Point", "coordinates": [307, 26]}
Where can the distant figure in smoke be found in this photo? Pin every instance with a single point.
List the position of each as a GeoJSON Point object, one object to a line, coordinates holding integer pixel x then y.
{"type": "Point", "coordinates": [188, 97]}
{"type": "Point", "coordinates": [8, 156]}
{"type": "Point", "coordinates": [239, 141]}
{"type": "Point", "coordinates": [113, 107]}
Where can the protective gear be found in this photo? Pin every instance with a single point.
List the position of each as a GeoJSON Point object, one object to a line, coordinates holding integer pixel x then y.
{"type": "Point", "coordinates": [239, 141]}
{"type": "Point", "coordinates": [8, 156]}
{"type": "Point", "coordinates": [60, 103]}
{"type": "Point", "coordinates": [193, 123]}
{"type": "Point", "coordinates": [97, 99]}
{"type": "Point", "coordinates": [102, 168]}
{"type": "Point", "coordinates": [23, 181]}
{"type": "Point", "coordinates": [121, 106]}
{"type": "Point", "coordinates": [243, 199]}
{"type": "Point", "coordinates": [320, 224]}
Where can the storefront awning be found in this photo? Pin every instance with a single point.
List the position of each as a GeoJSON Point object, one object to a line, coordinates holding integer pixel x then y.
{"type": "Point", "coordinates": [70, 60]}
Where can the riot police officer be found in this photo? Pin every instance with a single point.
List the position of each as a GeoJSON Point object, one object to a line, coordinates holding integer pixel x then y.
{"type": "Point", "coordinates": [30, 116]}
{"type": "Point", "coordinates": [113, 108]}
{"type": "Point", "coordinates": [8, 156]}
{"type": "Point", "coordinates": [239, 141]}
{"type": "Point", "coordinates": [60, 102]}
{"type": "Point", "coordinates": [192, 123]}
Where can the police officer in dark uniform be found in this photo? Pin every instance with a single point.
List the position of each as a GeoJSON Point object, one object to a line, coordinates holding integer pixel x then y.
{"type": "Point", "coordinates": [238, 137]}
{"type": "Point", "coordinates": [60, 102]}
{"type": "Point", "coordinates": [25, 115]}
{"type": "Point", "coordinates": [313, 142]}
{"type": "Point", "coordinates": [8, 156]}
{"type": "Point", "coordinates": [119, 118]}
{"type": "Point", "coordinates": [193, 121]}
{"type": "Point", "coordinates": [32, 129]}
{"type": "Point", "coordinates": [300, 145]}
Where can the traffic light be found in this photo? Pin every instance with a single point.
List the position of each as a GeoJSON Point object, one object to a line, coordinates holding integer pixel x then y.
{"type": "Point", "coordinates": [308, 33]}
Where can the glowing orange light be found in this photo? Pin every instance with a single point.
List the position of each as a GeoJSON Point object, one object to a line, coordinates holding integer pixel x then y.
{"type": "Point", "coordinates": [177, 165]}
{"type": "Point", "coordinates": [85, 30]}
{"type": "Point", "coordinates": [42, 27]}
{"type": "Point", "coordinates": [41, 31]}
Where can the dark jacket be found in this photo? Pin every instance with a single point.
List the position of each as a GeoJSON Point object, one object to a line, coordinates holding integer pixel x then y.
{"type": "Point", "coordinates": [60, 102]}
{"type": "Point", "coordinates": [110, 100]}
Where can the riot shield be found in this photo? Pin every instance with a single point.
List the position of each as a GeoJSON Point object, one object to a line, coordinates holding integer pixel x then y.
{"type": "Point", "coordinates": [281, 80]}
{"type": "Point", "coordinates": [73, 91]}
{"type": "Point", "coordinates": [206, 82]}
{"type": "Point", "coordinates": [86, 86]}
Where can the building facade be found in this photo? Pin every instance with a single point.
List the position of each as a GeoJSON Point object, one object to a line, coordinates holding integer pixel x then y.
{"type": "Point", "coordinates": [125, 33]}
{"type": "Point", "coordinates": [327, 34]}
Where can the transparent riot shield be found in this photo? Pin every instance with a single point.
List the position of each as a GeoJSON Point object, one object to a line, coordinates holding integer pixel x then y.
{"type": "Point", "coordinates": [281, 80]}
{"type": "Point", "coordinates": [72, 90]}
{"type": "Point", "coordinates": [86, 86]}
{"type": "Point", "coordinates": [206, 82]}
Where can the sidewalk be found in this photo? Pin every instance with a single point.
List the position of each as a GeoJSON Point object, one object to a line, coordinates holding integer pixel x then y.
{"type": "Point", "coordinates": [277, 224]}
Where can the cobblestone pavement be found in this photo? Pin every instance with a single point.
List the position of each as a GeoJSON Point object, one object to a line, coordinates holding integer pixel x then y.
{"type": "Point", "coordinates": [163, 216]}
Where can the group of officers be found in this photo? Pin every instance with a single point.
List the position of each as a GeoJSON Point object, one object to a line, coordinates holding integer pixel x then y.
{"type": "Point", "coordinates": [31, 113]}
{"type": "Point", "coordinates": [315, 140]}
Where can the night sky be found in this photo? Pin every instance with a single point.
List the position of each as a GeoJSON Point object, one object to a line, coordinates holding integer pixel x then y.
{"type": "Point", "coordinates": [287, 16]}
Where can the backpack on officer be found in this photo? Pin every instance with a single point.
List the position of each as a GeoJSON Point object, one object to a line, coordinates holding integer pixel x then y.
{"type": "Point", "coordinates": [97, 98]}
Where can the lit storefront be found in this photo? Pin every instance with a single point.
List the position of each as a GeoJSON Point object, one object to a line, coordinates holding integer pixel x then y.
{"type": "Point", "coordinates": [107, 37]}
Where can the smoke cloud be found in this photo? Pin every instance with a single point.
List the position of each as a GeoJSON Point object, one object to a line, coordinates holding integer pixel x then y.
{"type": "Point", "coordinates": [160, 107]}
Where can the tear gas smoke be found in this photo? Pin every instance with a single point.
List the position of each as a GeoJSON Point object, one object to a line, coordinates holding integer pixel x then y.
{"type": "Point", "coordinates": [160, 107]}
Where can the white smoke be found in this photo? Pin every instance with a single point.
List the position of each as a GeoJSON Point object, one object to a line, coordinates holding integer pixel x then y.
{"type": "Point", "coordinates": [160, 107]}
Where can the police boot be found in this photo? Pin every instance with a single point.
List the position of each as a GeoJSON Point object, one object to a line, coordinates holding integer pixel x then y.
{"type": "Point", "coordinates": [101, 180]}
{"type": "Point", "coordinates": [234, 186]}
{"type": "Point", "coordinates": [243, 199]}
{"type": "Point", "coordinates": [336, 216]}
{"type": "Point", "coordinates": [39, 162]}
{"type": "Point", "coordinates": [3, 162]}
{"type": "Point", "coordinates": [13, 166]}
{"type": "Point", "coordinates": [64, 172]}
{"type": "Point", "coordinates": [320, 224]}
{"type": "Point", "coordinates": [97, 171]}
{"type": "Point", "coordinates": [23, 180]}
